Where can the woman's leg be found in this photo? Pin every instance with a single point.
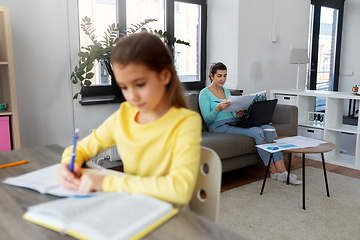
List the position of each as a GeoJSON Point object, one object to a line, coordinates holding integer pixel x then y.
{"type": "Point", "coordinates": [277, 167]}
{"type": "Point", "coordinates": [253, 132]}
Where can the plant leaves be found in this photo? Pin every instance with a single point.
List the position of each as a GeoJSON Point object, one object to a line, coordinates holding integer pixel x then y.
{"type": "Point", "coordinates": [89, 67]}
{"type": "Point", "coordinates": [87, 83]}
{"type": "Point", "coordinates": [89, 76]}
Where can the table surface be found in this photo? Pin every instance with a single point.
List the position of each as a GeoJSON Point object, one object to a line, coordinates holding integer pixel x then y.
{"type": "Point", "coordinates": [14, 202]}
{"type": "Point", "coordinates": [322, 148]}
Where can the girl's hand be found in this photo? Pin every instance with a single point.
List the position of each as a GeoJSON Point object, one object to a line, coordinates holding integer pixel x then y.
{"type": "Point", "coordinates": [68, 179]}
{"type": "Point", "coordinates": [239, 113]}
{"type": "Point", "coordinates": [90, 183]}
{"type": "Point", "coordinates": [222, 106]}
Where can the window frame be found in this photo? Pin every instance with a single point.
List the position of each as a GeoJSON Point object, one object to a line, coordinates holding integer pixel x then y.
{"type": "Point", "coordinates": [95, 94]}
{"type": "Point", "coordinates": [339, 5]}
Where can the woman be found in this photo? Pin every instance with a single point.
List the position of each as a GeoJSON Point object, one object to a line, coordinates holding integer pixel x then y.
{"type": "Point", "coordinates": [213, 100]}
{"type": "Point", "coordinates": [157, 137]}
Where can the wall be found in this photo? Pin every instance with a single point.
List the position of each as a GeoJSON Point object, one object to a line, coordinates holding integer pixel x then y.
{"type": "Point", "coordinates": [261, 64]}
{"type": "Point", "coordinates": [350, 50]}
{"type": "Point", "coordinates": [222, 37]}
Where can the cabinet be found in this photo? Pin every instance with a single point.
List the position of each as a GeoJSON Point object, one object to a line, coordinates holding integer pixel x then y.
{"type": "Point", "coordinates": [7, 77]}
{"type": "Point", "coordinates": [333, 126]}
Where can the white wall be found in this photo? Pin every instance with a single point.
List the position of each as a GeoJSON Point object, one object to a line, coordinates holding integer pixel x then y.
{"type": "Point", "coordinates": [222, 37]}
{"type": "Point", "coordinates": [350, 50]}
{"type": "Point", "coordinates": [45, 46]}
{"type": "Point", "coordinates": [261, 64]}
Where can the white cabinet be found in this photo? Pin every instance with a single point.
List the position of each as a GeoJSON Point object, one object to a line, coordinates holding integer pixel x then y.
{"type": "Point", "coordinates": [286, 99]}
{"type": "Point", "coordinates": [332, 127]}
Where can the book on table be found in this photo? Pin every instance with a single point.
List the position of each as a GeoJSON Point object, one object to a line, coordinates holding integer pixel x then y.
{"type": "Point", "coordinates": [103, 217]}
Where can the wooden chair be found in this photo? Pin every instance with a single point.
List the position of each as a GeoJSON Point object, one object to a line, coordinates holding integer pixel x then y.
{"type": "Point", "coordinates": [206, 195]}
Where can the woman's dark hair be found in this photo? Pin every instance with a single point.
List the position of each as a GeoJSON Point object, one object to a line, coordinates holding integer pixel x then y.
{"type": "Point", "coordinates": [214, 67]}
{"type": "Point", "coordinates": [147, 49]}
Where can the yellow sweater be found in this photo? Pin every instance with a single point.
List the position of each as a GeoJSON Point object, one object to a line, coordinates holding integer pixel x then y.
{"type": "Point", "coordinates": [162, 158]}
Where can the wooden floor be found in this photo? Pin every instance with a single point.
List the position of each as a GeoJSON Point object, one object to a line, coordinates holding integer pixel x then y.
{"type": "Point", "coordinates": [256, 172]}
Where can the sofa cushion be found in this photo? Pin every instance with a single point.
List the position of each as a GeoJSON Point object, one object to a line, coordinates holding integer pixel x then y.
{"type": "Point", "coordinates": [259, 96]}
{"type": "Point", "coordinates": [228, 145]}
{"type": "Point", "coordinates": [193, 99]}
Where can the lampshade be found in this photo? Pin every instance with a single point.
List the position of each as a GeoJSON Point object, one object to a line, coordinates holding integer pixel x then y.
{"type": "Point", "coordinates": [298, 56]}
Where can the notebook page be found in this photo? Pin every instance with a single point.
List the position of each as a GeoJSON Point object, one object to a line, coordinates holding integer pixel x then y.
{"type": "Point", "coordinates": [44, 180]}
{"type": "Point", "coordinates": [70, 209]}
{"type": "Point", "coordinates": [40, 180]}
{"type": "Point", "coordinates": [121, 219]}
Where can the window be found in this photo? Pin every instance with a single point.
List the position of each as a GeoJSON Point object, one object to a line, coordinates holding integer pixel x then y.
{"type": "Point", "coordinates": [183, 19]}
{"type": "Point", "coordinates": [102, 14]}
{"type": "Point", "coordinates": [325, 27]}
{"type": "Point", "coordinates": [325, 30]}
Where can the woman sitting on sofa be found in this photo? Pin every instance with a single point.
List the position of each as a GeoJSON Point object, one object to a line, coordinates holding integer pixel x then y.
{"type": "Point", "coordinates": [213, 100]}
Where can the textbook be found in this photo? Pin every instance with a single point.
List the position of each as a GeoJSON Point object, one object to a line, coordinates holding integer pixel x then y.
{"type": "Point", "coordinates": [44, 180]}
{"type": "Point", "coordinates": [103, 217]}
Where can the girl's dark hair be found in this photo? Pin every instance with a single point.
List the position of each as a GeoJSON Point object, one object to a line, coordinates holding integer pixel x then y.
{"type": "Point", "coordinates": [147, 49]}
{"type": "Point", "coordinates": [214, 67]}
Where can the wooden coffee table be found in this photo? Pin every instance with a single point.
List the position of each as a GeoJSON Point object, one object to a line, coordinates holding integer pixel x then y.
{"type": "Point", "coordinates": [322, 148]}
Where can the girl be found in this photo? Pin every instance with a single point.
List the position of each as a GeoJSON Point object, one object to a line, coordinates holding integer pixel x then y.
{"type": "Point", "coordinates": [157, 137]}
{"type": "Point", "coordinates": [213, 100]}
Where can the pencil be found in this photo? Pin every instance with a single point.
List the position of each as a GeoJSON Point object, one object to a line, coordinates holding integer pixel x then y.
{"type": "Point", "coordinates": [13, 164]}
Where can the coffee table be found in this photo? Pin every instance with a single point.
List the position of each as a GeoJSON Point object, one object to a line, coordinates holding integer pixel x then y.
{"type": "Point", "coordinates": [322, 148]}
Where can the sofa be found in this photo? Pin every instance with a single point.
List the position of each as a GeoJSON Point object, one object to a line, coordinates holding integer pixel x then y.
{"type": "Point", "coordinates": [238, 151]}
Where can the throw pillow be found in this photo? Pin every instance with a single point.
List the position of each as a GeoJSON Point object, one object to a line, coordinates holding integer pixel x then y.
{"type": "Point", "coordinates": [260, 96]}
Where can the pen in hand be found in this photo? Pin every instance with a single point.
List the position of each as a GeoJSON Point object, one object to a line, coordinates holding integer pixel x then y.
{"type": "Point", "coordinates": [71, 165]}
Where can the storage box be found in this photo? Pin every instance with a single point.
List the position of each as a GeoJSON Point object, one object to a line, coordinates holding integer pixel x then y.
{"type": "Point", "coordinates": [5, 143]}
{"type": "Point", "coordinates": [311, 132]}
{"type": "Point", "coordinates": [286, 99]}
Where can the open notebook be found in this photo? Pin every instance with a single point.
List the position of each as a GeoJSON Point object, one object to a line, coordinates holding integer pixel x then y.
{"type": "Point", "coordinates": [44, 180]}
{"type": "Point", "coordinates": [104, 217]}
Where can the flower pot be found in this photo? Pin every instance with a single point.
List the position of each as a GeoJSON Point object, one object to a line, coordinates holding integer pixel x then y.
{"type": "Point", "coordinates": [116, 89]}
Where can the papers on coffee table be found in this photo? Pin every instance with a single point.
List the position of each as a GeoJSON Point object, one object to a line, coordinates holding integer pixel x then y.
{"type": "Point", "coordinates": [283, 144]}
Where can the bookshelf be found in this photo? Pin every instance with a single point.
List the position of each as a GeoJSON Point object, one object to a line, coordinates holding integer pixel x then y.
{"type": "Point", "coordinates": [7, 76]}
{"type": "Point", "coordinates": [333, 126]}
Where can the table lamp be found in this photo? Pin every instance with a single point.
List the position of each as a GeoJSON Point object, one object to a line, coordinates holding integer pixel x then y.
{"type": "Point", "coordinates": [298, 56]}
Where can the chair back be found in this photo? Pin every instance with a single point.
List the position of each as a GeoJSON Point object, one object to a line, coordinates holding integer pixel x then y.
{"type": "Point", "coordinates": [206, 195]}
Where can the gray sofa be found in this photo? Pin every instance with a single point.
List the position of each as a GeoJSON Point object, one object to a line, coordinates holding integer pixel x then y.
{"type": "Point", "coordinates": [237, 151]}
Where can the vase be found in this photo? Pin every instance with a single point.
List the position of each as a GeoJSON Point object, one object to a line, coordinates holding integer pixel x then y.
{"type": "Point", "coordinates": [116, 89]}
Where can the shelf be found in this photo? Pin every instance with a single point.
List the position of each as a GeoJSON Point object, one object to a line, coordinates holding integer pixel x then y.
{"type": "Point", "coordinates": [334, 129]}
{"type": "Point", "coordinates": [7, 77]}
{"type": "Point", "coordinates": [311, 124]}
{"type": "Point", "coordinates": [344, 128]}
{"type": "Point", "coordinates": [342, 159]}
{"type": "Point", "coordinates": [5, 113]}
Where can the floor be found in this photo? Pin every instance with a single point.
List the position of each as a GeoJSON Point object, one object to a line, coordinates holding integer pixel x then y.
{"type": "Point", "coordinates": [256, 172]}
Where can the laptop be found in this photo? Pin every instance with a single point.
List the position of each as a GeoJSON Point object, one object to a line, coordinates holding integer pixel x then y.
{"type": "Point", "coordinates": [261, 113]}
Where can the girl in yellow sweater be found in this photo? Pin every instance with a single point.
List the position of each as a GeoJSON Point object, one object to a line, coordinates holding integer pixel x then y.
{"type": "Point", "coordinates": [157, 137]}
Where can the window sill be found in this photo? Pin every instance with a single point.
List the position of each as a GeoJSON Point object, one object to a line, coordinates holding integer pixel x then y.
{"type": "Point", "coordinates": [92, 100]}
{"type": "Point", "coordinates": [101, 94]}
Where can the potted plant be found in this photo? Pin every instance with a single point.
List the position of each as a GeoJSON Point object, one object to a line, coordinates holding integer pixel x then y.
{"type": "Point", "coordinates": [99, 52]}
